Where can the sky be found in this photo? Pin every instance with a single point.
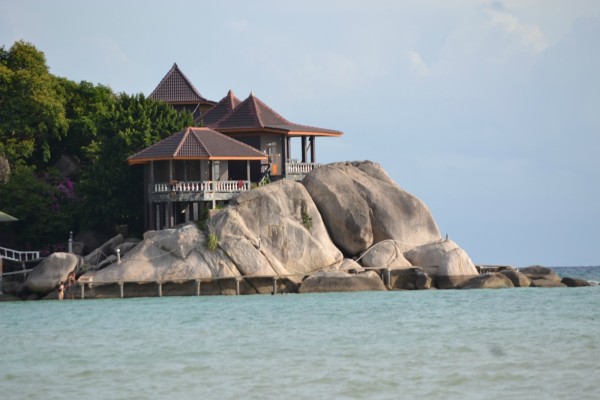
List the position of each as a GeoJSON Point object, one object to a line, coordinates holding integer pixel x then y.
{"type": "Point", "coordinates": [488, 111]}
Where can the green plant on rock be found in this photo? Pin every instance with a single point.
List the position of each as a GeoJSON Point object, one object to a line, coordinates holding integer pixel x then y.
{"type": "Point", "coordinates": [307, 220]}
{"type": "Point", "coordinates": [212, 241]}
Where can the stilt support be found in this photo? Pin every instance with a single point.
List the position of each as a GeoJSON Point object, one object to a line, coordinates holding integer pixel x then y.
{"type": "Point", "coordinates": [389, 278]}
{"type": "Point", "coordinates": [82, 287]}
{"type": "Point", "coordinates": [159, 289]}
{"type": "Point", "coordinates": [121, 291]}
{"type": "Point", "coordinates": [198, 287]}
{"type": "Point", "coordinates": [237, 286]}
{"type": "Point", "coordinates": [274, 285]}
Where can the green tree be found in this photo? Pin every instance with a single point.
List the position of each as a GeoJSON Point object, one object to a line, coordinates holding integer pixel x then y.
{"type": "Point", "coordinates": [45, 205]}
{"type": "Point", "coordinates": [111, 190]}
{"type": "Point", "coordinates": [32, 110]}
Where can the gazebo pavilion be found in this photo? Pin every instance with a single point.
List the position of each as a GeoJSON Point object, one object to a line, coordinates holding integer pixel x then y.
{"type": "Point", "coordinates": [189, 169]}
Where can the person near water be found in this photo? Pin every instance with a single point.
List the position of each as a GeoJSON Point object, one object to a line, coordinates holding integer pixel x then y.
{"type": "Point", "coordinates": [61, 291]}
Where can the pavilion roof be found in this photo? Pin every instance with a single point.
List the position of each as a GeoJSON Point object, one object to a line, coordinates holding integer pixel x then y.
{"type": "Point", "coordinates": [221, 109]}
{"type": "Point", "coordinates": [176, 88]}
{"type": "Point", "coordinates": [252, 114]}
{"type": "Point", "coordinates": [197, 144]}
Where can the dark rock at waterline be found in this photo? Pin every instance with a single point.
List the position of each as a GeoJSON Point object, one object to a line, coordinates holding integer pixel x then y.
{"type": "Point", "coordinates": [518, 279]}
{"type": "Point", "coordinates": [574, 282]}
{"type": "Point", "coordinates": [338, 281]}
{"type": "Point", "coordinates": [547, 283]}
{"type": "Point", "coordinates": [488, 281]}
{"type": "Point", "coordinates": [410, 279]}
{"type": "Point", "coordinates": [539, 272]}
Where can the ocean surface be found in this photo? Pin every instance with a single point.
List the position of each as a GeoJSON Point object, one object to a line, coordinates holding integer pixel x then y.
{"type": "Point", "coordinates": [529, 343]}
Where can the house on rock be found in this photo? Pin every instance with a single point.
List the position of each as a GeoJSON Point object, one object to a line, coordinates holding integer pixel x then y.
{"type": "Point", "coordinates": [239, 145]}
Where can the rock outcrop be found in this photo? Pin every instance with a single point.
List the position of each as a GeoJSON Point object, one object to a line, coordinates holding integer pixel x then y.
{"type": "Point", "coordinates": [542, 276]}
{"type": "Point", "coordinates": [517, 278]}
{"type": "Point", "coordinates": [274, 230]}
{"type": "Point", "coordinates": [488, 281]}
{"type": "Point", "coordinates": [51, 272]}
{"type": "Point", "coordinates": [574, 282]}
{"type": "Point", "coordinates": [454, 264]}
{"type": "Point", "coordinates": [385, 254]}
{"type": "Point", "coordinates": [361, 205]}
{"type": "Point", "coordinates": [339, 281]}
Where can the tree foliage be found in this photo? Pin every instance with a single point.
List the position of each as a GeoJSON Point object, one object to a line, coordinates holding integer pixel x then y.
{"type": "Point", "coordinates": [32, 111]}
{"type": "Point", "coordinates": [44, 118]}
{"type": "Point", "coordinates": [132, 124]}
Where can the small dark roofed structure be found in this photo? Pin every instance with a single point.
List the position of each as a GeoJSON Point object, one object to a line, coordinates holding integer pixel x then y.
{"type": "Point", "coordinates": [177, 90]}
{"type": "Point", "coordinates": [255, 123]}
{"type": "Point", "coordinates": [221, 109]}
{"type": "Point", "coordinates": [197, 144]}
{"type": "Point", "coordinates": [253, 114]}
{"type": "Point", "coordinates": [187, 170]}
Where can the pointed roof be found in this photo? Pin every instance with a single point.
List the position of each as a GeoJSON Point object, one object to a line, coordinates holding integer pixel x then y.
{"type": "Point", "coordinates": [175, 88]}
{"type": "Point", "coordinates": [197, 144]}
{"type": "Point", "coordinates": [221, 109]}
{"type": "Point", "coordinates": [253, 114]}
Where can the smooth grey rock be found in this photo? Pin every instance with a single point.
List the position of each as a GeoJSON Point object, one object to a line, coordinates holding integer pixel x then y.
{"type": "Point", "coordinates": [539, 272]}
{"type": "Point", "coordinates": [454, 264]}
{"type": "Point", "coordinates": [547, 283]}
{"type": "Point", "coordinates": [517, 278]}
{"type": "Point", "coordinates": [386, 254]}
{"type": "Point", "coordinates": [361, 206]}
{"type": "Point", "coordinates": [108, 248]}
{"type": "Point", "coordinates": [488, 281]}
{"type": "Point", "coordinates": [263, 232]}
{"type": "Point", "coordinates": [338, 281]}
{"type": "Point", "coordinates": [49, 273]}
{"type": "Point", "coordinates": [574, 282]}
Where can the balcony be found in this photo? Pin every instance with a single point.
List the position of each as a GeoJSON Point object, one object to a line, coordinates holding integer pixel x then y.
{"type": "Point", "coordinates": [197, 190]}
{"type": "Point", "coordinates": [297, 170]}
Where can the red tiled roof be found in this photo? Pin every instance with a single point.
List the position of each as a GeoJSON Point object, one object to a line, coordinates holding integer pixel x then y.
{"type": "Point", "coordinates": [175, 87]}
{"type": "Point", "coordinates": [221, 109]}
{"type": "Point", "coordinates": [197, 144]}
{"type": "Point", "coordinates": [253, 114]}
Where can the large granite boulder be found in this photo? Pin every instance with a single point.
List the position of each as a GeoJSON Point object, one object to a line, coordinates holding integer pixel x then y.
{"type": "Point", "coordinates": [547, 283]}
{"type": "Point", "coordinates": [539, 272]}
{"type": "Point", "coordinates": [517, 278]}
{"type": "Point", "coordinates": [385, 254]}
{"type": "Point", "coordinates": [454, 264]}
{"type": "Point", "coordinates": [51, 272]}
{"type": "Point", "coordinates": [574, 282]}
{"type": "Point", "coordinates": [275, 230]}
{"type": "Point", "coordinates": [93, 259]}
{"type": "Point", "coordinates": [410, 279]}
{"type": "Point", "coordinates": [361, 205]}
{"type": "Point", "coordinates": [339, 281]}
{"type": "Point", "coordinates": [487, 281]}
{"type": "Point", "coordinates": [167, 255]}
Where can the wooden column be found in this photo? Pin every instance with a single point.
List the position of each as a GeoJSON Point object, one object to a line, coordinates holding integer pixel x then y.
{"type": "Point", "coordinates": [313, 151]}
{"type": "Point", "coordinates": [248, 172]}
{"type": "Point", "coordinates": [285, 154]}
{"type": "Point", "coordinates": [303, 149]}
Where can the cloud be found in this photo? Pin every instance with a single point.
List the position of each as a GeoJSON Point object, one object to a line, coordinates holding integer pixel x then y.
{"type": "Point", "coordinates": [416, 63]}
{"type": "Point", "coordinates": [238, 24]}
{"type": "Point", "coordinates": [529, 35]}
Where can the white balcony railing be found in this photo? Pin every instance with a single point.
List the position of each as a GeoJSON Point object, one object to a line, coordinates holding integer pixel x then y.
{"type": "Point", "coordinates": [16, 255]}
{"type": "Point", "coordinates": [300, 168]}
{"type": "Point", "coordinates": [203, 186]}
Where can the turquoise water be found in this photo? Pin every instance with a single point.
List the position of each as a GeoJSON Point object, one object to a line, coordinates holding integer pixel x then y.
{"type": "Point", "coordinates": [526, 343]}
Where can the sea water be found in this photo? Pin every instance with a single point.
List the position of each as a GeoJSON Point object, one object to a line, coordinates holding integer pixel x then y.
{"type": "Point", "coordinates": [526, 343]}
